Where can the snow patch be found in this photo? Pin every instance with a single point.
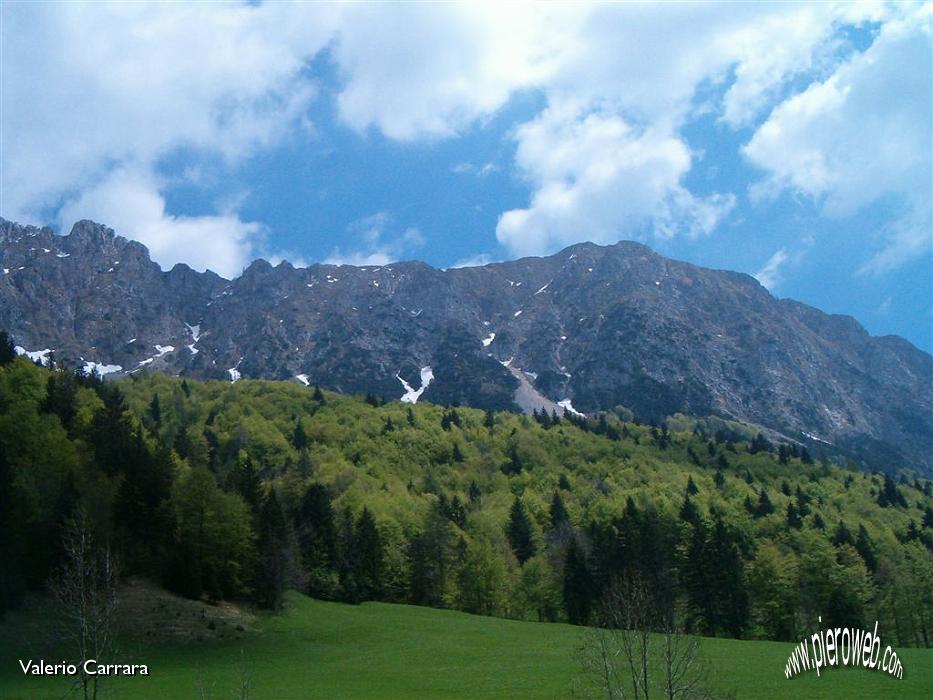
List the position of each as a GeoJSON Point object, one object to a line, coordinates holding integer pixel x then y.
{"type": "Point", "coordinates": [543, 288]}
{"type": "Point", "coordinates": [100, 369]}
{"type": "Point", "coordinates": [568, 407]}
{"type": "Point", "coordinates": [194, 330]}
{"type": "Point", "coordinates": [131, 340]}
{"type": "Point", "coordinates": [164, 350]}
{"type": "Point", "coordinates": [818, 439]}
{"type": "Point", "coordinates": [192, 349]}
{"type": "Point", "coordinates": [486, 323]}
{"type": "Point", "coordinates": [303, 378]}
{"type": "Point", "coordinates": [517, 313]}
{"type": "Point", "coordinates": [487, 341]}
{"type": "Point", "coordinates": [145, 362]}
{"type": "Point", "coordinates": [40, 356]}
{"type": "Point", "coordinates": [63, 255]}
{"type": "Point", "coordinates": [412, 395]}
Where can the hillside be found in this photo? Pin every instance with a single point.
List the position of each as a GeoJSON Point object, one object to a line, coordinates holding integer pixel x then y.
{"type": "Point", "coordinates": [238, 491]}
{"type": "Point", "coordinates": [379, 651]}
{"type": "Point", "coordinates": [595, 327]}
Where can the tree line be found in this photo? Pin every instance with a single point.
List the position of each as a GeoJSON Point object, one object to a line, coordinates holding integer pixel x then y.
{"type": "Point", "coordinates": [243, 491]}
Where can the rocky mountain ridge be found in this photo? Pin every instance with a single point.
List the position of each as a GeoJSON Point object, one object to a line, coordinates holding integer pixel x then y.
{"type": "Point", "coordinates": [590, 328]}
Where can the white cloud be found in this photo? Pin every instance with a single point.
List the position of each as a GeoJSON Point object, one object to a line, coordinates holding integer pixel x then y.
{"type": "Point", "coordinates": [473, 261]}
{"type": "Point", "coordinates": [91, 89]}
{"type": "Point", "coordinates": [374, 247]}
{"type": "Point", "coordinates": [467, 168]}
{"type": "Point", "coordinates": [130, 203]}
{"type": "Point", "coordinates": [432, 69]}
{"type": "Point", "coordinates": [598, 178]}
{"type": "Point", "coordinates": [860, 136]}
{"type": "Point", "coordinates": [769, 275]}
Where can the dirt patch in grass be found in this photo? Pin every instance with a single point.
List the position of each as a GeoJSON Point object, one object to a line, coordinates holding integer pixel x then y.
{"type": "Point", "coordinates": [150, 614]}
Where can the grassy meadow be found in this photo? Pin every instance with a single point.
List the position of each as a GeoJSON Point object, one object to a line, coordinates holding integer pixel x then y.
{"type": "Point", "coordinates": [331, 650]}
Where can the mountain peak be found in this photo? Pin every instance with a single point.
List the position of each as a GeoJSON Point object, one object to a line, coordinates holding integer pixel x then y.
{"type": "Point", "coordinates": [598, 326]}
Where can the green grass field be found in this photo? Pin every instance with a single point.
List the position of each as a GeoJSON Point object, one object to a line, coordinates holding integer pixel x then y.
{"type": "Point", "coordinates": [330, 650]}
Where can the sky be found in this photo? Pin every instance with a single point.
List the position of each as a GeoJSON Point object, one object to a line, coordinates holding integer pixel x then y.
{"type": "Point", "coordinates": [790, 141]}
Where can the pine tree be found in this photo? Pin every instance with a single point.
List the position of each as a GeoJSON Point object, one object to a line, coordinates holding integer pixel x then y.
{"type": "Point", "coordinates": [369, 559]}
{"type": "Point", "coordinates": [318, 395]}
{"type": "Point", "coordinates": [719, 479]}
{"type": "Point", "coordinates": [765, 507]}
{"type": "Point", "coordinates": [520, 533]}
{"type": "Point", "coordinates": [578, 588]}
{"type": "Point", "coordinates": [688, 511]}
{"type": "Point", "coordinates": [793, 517]}
{"type": "Point", "coordinates": [864, 547]}
{"type": "Point", "coordinates": [273, 560]}
{"type": "Point", "coordinates": [843, 535]}
{"type": "Point", "coordinates": [155, 411]}
{"type": "Point", "coordinates": [299, 437]}
{"type": "Point", "coordinates": [317, 541]}
{"type": "Point", "coordinates": [558, 512]}
{"type": "Point", "coordinates": [692, 489]}
{"type": "Point", "coordinates": [7, 354]}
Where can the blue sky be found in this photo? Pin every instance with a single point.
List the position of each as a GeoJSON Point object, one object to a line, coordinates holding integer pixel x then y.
{"type": "Point", "coordinates": [790, 141]}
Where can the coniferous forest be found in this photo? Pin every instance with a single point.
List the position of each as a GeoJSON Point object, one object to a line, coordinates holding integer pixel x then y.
{"type": "Point", "coordinates": [242, 491]}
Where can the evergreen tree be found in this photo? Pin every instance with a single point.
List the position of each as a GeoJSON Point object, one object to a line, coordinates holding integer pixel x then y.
{"type": "Point", "coordinates": [317, 541]}
{"type": "Point", "coordinates": [864, 547]}
{"type": "Point", "coordinates": [7, 354]}
{"type": "Point", "coordinates": [688, 511]}
{"type": "Point", "coordinates": [155, 411]}
{"type": "Point", "coordinates": [299, 437]}
{"type": "Point", "coordinates": [245, 481]}
{"type": "Point", "coordinates": [793, 517]}
{"type": "Point", "coordinates": [61, 391]}
{"type": "Point", "coordinates": [890, 494]}
{"type": "Point", "coordinates": [843, 535]}
{"type": "Point", "coordinates": [431, 559]}
{"type": "Point", "coordinates": [692, 489]}
{"type": "Point", "coordinates": [719, 479]}
{"type": "Point", "coordinates": [558, 512]}
{"type": "Point", "coordinates": [765, 507]}
{"type": "Point", "coordinates": [520, 533]}
{"type": "Point", "coordinates": [273, 559]}
{"type": "Point", "coordinates": [578, 586]}
{"type": "Point", "coordinates": [369, 557]}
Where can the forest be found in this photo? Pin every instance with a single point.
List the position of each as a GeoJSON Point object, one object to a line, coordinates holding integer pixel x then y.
{"type": "Point", "coordinates": [241, 491]}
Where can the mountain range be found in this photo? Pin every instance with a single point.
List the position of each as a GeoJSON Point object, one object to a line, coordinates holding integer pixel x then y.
{"type": "Point", "coordinates": [590, 328]}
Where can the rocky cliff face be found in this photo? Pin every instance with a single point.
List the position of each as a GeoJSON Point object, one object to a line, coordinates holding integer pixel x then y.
{"type": "Point", "coordinates": [593, 326]}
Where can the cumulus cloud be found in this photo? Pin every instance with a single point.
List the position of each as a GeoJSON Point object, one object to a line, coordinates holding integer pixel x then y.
{"type": "Point", "coordinates": [598, 178]}
{"type": "Point", "coordinates": [432, 69]}
{"type": "Point", "coordinates": [92, 89]}
{"type": "Point", "coordinates": [130, 203]}
{"type": "Point", "coordinates": [860, 136]}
